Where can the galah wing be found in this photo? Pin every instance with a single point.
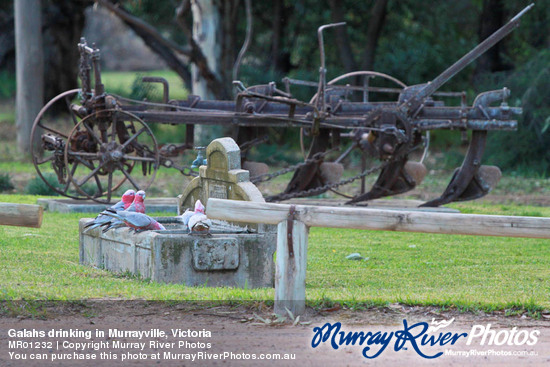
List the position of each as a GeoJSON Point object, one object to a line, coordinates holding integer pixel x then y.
{"type": "Point", "coordinates": [185, 216]}
{"type": "Point", "coordinates": [138, 221]}
{"type": "Point", "coordinates": [199, 209]}
{"type": "Point", "coordinates": [102, 219]}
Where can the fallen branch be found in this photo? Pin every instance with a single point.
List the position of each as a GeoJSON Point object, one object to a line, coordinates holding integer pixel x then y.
{"type": "Point", "coordinates": [23, 215]}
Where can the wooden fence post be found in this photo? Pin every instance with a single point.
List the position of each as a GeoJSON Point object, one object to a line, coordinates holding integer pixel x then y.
{"type": "Point", "coordinates": [290, 270]}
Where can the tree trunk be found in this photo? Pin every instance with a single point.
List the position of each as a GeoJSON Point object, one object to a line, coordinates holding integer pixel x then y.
{"type": "Point", "coordinates": [7, 41]}
{"type": "Point", "coordinates": [344, 47]}
{"type": "Point", "coordinates": [63, 25]}
{"type": "Point", "coordinates": [29, 68]}
{"type": "Point", "coordinates": [376, 23]}
{"type": "Point", "coordinates": [206, 33]}
{"type": "Point", "coordinates": [491, 19]}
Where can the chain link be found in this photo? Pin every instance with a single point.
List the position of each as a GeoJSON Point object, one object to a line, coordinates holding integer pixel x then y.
{"type": "Point", "coordinates": [269, 176]}
{"type": "Point", "coordinates": [190, 172]}
{"type": "Point", "coordinates": [321, 189]}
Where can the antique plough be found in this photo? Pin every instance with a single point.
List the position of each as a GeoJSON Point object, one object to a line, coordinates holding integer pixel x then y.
{"type": "Point", "coordinates": [107, 139]}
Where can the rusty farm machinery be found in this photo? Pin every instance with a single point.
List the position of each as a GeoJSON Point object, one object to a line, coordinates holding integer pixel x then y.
{"type": "Point", "coordinates": [107, 139]}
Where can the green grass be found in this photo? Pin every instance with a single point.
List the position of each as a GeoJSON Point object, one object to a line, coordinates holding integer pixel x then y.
{"type": "Point", "coordinates": [462, 272]}
{"type": "Point", "coordinates": [120, 82]}
{"type": "Point", "coordinates": [7, 115]}
{"type": "Point", "coordinates": [17, 167]}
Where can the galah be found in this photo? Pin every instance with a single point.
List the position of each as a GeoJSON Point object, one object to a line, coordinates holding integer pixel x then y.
{"type": "Point", "coordinates": [102, 219]}
{"type": "Point", "coordinates": [138, 206]}
{"type": "Point", "coordinates": [198, 222]}
{"type": "Point", "coordinates": [138, 221]}
{"type": "Point", "coordinates": [199, 208]}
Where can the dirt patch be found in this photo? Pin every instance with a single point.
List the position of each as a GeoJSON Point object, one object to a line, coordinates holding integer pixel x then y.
{"type": "Point", "coordinates": [240, 331]}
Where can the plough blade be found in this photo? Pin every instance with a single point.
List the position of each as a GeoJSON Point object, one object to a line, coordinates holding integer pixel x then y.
{"type": "Point", "coordinates": [484, 180]}
{"type": "Point", "coordinates": [395, 178]}
{"type": "Point", "coordinates": [307, 177]}
{"type": "Point", "coordinates": [471, 180]}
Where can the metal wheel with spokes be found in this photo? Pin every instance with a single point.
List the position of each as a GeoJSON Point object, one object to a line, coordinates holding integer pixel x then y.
{"type": "Point", "coordinates": [103, 150]}
{"type": "Point", "coordinates": [49, 136]}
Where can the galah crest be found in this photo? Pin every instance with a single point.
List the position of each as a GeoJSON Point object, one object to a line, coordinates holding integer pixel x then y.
{"type": "Point", "coordinates": [101, 219]}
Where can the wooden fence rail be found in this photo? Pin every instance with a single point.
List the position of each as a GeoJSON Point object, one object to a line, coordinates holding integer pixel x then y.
{"type": "Point", "coordinates": [292, 245]}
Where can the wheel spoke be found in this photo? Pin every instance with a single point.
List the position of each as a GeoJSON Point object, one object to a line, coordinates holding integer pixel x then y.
{"type": "Point", "coordinates": [92, 133]}
{"type": "Point", "coordinates": [73, 170]}
{"type": "Point", "coordinates": [133, 137]}
{"type": "Point", "coordinates": [44, 160]}
{"type": "Point", "coordinates": [140, 159]}
{"type": "Point", "coordinates": [94, 171]}
{"type": "Point", "coordinates": [99, 187]}
{"type": "Point", "coordinates": [113, 130]}
{"type": "Point", "coordinates": [85, 163]}
{"type": "Point", "coordinates": [73, 116]}
{"type": "Point", "coordinates": [91, 156]}
{"type": "Point", "coordinates": [50, 129]}
{"type": "Point", "coordinates": [128, 176]}
{"type": "Point", "coordinates": [109, 185]}
{"type": "Point", "coordinates": [345, 154]}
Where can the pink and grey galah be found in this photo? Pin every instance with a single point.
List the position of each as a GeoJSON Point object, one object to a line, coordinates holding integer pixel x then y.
{"type": "Point", "coordinates": [102, 219]}
{"type": "Point", "coordinates": [138, 221]}
{"type": "Point", "coordinates": [138, 206]}
{"type": "Point", "coordinates": [199, 208]}
{"type": "Point", "coordinates": [199, 223]}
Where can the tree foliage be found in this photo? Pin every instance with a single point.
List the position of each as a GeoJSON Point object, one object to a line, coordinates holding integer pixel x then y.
{"type": "Point", "coordinates": [412, 41]}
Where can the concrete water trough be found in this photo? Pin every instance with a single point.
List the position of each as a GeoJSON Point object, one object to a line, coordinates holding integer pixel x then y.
{"type": "Point", "coordinates": [231, 256]}
{"type": "Point", "coordinates": [235, 255]}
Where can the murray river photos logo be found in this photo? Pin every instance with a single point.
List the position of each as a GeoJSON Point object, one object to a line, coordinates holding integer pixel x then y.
{"type": "Point", "coordinates": [421, 337]}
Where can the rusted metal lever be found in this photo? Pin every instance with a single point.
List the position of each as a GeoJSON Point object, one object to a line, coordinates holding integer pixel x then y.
{"type": "Point", "coordinates": [289, 226]}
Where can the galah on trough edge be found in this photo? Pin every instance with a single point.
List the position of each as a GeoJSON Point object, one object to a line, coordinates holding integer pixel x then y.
{"type": "Point", "coordinates": [198, 222]}
{"type": "Point", "coordinates": [199, 208]}
{"type": "Point", "coordinates": [138, 206]}
{"type": "Point", "coordinates": [101, 219]}
{"type": "Point", "coordinates": [138, 221]}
